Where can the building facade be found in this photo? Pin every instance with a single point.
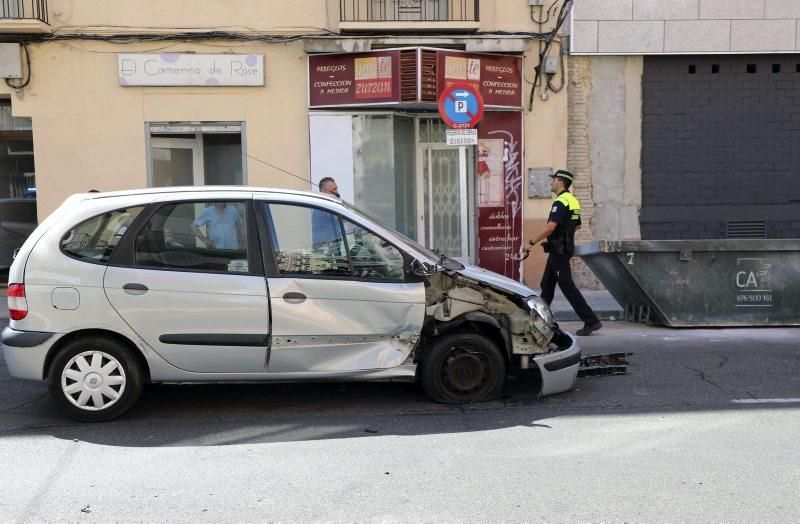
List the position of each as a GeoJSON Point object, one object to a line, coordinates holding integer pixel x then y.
{"type": "Point", "coordinates": [689, 127]}
{"type": "Point", "coordinates": [131, 94]}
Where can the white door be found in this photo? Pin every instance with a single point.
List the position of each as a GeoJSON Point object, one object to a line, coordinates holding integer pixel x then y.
{"type": "Point", "coordinates": [193, 287]}
{"type": "Point", "coordinates": [339, 296]}
{"type": "Point", "coordinates": [177, 161]}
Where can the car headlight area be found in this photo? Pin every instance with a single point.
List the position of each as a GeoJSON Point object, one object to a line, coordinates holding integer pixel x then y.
{"type": "Point", "coordinates": [541, 308]}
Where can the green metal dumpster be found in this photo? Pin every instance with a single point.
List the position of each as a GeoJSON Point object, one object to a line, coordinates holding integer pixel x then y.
{"type": "Point", "coordinates": [701, 283]}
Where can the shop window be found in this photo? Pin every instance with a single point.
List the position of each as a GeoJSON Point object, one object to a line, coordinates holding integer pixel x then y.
{"type": "Point", "coordinates": [196, 154]}
{"type": "Point", "coordinates": [383, 169]}
{"type": "Point", "coordinates": [373, 159]}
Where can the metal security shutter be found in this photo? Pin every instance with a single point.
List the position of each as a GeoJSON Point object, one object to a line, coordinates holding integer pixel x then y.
{"type": "Point", "coordinates": [721, 147]}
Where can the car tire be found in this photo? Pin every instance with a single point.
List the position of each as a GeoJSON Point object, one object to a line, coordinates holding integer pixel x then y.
{"type": "Point", "coordinates": [463, 368]}
{"type": "Point", "coordinates": [95, 379]}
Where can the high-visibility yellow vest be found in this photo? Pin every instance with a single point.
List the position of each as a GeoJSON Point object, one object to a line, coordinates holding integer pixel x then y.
{"type": "Point", "coordinates": [571, 203]}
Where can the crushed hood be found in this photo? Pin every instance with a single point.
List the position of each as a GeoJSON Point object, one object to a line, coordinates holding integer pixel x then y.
{"type": "Point", "coordinates": [497, 281]}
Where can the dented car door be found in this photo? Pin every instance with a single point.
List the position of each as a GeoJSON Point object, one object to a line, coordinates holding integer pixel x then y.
{"type": "Point", "coordinates": [339, 295]}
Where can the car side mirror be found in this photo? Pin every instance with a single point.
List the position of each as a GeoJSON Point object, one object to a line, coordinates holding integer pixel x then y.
{"type": "Point", "coordinates": [422, 268]}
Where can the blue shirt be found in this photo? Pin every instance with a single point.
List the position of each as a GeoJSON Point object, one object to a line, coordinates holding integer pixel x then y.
{"type": "Point", "coordinates": [325, 227]}
{"type": "Point", "coordinates": [221, 227]}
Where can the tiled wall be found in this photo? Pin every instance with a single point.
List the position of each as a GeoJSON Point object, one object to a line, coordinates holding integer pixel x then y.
{"type": "Point", "coordinates": [685, 26]}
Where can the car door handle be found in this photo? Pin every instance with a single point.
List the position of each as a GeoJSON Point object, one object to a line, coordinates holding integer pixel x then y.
{"type": "Point", "coordinates": [135, 289]}
{"type": "Point", "coordinates": [294, 297]}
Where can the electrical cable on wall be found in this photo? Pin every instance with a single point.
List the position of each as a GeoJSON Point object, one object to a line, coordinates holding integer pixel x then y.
{"type": "Point", "coordinates": [27, 80]}
{"type": "Point", "coordinates": [190, 36]}
{"type": "Point", "coordinates": [563, 71]}
{"type": "Point", "coordinates": [549, 13]}
{"type": "Point", "coordinates": [562, 16]}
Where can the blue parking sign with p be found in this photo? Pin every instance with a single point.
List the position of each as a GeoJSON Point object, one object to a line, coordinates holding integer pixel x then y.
{"type": "Point", "coordinates": [461, 106]}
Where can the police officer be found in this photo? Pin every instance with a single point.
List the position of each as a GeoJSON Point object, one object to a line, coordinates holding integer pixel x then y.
{"type": "Point", "coordinates": [564, 220]}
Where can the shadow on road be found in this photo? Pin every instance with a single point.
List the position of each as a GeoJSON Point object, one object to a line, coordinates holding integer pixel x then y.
{"type": "Point", "coordinates": [671, 372]}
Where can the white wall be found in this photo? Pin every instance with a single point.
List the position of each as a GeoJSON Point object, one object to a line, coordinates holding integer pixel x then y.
{"type": "Point", "coordinates": [332, 151]}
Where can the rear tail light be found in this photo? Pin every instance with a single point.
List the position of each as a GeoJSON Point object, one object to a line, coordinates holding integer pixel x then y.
{"type": "Point", "coordinates": [17, 303]}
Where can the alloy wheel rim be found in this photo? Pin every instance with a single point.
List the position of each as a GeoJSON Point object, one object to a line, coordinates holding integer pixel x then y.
{"type": "Point", "coordinates": [93, 380]}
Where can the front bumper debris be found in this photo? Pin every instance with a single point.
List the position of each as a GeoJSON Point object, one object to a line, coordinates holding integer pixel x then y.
{"type": "Point", "coordinates": [559, 369]}
{"type": "Point", "coordinates": [604, 365]}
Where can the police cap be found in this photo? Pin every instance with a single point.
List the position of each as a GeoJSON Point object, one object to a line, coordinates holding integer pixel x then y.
{"type": "Point", "coordinates": [566, 175]}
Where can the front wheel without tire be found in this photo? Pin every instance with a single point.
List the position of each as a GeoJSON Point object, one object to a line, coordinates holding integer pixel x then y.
{"type": "Point", "coordinates": [463, 368]}
{"type": "Point", "coordinates": [95, 379]}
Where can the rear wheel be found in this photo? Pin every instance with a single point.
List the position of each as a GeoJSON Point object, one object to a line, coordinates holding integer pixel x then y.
{"type": "Point", "coordinates": [94, 379]}
{"type": "Point", "coordinates": [463, 368]}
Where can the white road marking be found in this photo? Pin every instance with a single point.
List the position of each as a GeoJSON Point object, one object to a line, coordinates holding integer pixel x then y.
{"type": "Point", "coordinates": [767, 401]}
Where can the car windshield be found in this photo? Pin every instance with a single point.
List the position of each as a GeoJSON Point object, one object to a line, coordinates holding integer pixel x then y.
{"type": "Point", "coordinates": [441, 259]}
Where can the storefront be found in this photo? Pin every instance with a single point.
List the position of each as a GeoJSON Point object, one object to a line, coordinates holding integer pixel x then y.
{"type": "Point", "coordinates": [374, 127]}
{"type": "Point", "coordinates": [284, 116]}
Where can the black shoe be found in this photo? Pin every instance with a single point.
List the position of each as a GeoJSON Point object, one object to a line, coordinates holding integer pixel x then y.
{"type": "Point", "coordinates": [588, 329]}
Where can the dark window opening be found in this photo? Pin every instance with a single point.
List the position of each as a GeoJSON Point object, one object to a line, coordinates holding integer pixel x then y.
{"type": "Point", "coordinates": [715, 69]}
{"type": "Point", "coordinates": [692, 69]}
{"type": "Point", "coordinates": [776, 68]}
{"type": "Point", "coordinates": [751, 68]}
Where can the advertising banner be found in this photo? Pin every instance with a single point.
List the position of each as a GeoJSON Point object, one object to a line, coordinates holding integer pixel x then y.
{"type": "Point", "coordinates": [354, 79]}
{"type": "Point", "coordinates": [497, 77]}
{"type": "Point", "coordinates": [364, 79]}
{"type": "Point", "coordinates": [499, 188]}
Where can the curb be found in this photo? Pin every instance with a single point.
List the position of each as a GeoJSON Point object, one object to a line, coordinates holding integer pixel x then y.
{"type": "Point", "coordinates": [602, 314]}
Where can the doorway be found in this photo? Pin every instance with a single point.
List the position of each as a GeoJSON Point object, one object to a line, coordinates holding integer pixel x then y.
{"type": "Point", "coordinates": [446, 192]}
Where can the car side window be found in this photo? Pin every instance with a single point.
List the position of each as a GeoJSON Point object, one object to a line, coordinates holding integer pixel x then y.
{"type": "Point", "coordinates": [307, 241]}
{"type": "Point", "coordinates": [195, 236]}
{"type": "Point", "coordinates": [312, 241]}
{"type": "Point", "coordinates": [95, 240]}
{"type": "Point", "coordinates": [372, 256]}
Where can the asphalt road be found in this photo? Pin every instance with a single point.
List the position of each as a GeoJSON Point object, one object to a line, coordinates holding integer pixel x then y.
{"type": "Point", "coordinates": [667, 442]}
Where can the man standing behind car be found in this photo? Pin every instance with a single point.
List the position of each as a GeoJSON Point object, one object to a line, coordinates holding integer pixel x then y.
{"type": "Point", "coordinates": [564, 220]}
{"type": "Point", "coordinates": [222, 223]}
{"type": "Point", "coordinates": [325, 225]}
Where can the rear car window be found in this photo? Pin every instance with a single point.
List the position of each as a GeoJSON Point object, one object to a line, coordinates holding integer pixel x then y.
{"type": "Point", "coordinates": [94, 240]}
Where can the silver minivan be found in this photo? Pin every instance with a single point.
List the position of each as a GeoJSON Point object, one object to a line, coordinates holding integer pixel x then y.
{"type": "Point", "coordinates": [216, 284]}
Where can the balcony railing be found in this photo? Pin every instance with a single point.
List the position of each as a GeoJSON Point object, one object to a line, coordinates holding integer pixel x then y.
{"type": "Point", "coordinates": [24, 10]}
{"type": "Point", "coordinates": [409, 10]}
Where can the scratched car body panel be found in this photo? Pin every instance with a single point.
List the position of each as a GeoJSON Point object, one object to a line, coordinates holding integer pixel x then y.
{"type": "Point", "coordinates": [240, 284]}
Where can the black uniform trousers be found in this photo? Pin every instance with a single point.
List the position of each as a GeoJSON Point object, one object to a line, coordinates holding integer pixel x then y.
{"type": "Point", "coordinates": [558, 271]}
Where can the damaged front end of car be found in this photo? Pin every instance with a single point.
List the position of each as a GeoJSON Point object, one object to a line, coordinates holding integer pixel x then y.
{"type": "Point", "coordinates": [513, 316]}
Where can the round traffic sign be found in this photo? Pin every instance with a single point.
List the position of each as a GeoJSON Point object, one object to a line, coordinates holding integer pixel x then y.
{"type": "Point", "coordinates": [461, 106]}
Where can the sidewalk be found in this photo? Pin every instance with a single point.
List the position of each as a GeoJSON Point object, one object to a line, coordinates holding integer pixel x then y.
{"type": "Point", "coordinates": [601, 302]}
